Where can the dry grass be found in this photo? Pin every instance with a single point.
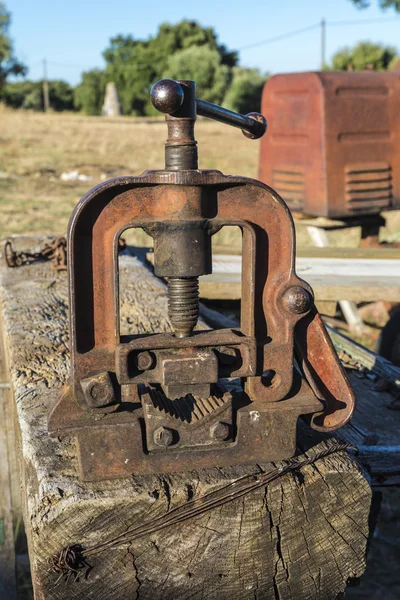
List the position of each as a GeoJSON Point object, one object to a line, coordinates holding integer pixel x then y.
{"type": "Point", "coordinates": [36, 148]}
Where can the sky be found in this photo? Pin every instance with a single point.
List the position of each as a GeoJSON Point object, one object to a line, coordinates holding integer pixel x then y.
{"type": "Point", "coordinates": [72, 35]}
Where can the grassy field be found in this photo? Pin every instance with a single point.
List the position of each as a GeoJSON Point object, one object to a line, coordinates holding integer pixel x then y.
{"type": "Point", "coordinates": [36, 148]}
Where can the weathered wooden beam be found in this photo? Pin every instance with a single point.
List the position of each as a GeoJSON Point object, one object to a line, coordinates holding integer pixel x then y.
{"type": "Point", "coordinates": [8, 589]}
{"type": "Point", "coordinates": [302, 537]}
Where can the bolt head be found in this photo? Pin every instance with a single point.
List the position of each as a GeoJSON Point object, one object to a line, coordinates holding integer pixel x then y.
{"type": "Point", "coordinates": [144, 361]}
{"type": "Point", "coordinates": [297, 300]}
{"type": "Point", "coordinates": [167, 96]}
{"type": "Point", "coordinates": [98, 390]}
{"type": "Point", "coordinates": [163, 437]}
{"type": "Point", "coordinates": [220, 431]}
{"type": "Point", "coordinates": [99, 393]}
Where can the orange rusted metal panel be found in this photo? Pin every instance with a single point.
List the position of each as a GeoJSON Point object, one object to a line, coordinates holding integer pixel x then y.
{"type": "Point", "coordinates": [333, 148]}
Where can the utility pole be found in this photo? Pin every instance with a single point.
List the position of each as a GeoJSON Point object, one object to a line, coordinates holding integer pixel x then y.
{"type": "Point", "coordinates": [323, 42]}
{"type": "Point", "coordinates": [46, 101]}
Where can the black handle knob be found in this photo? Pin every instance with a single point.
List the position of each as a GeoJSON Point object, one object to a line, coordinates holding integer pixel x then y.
{"type": "Point", "coordinates": [167, 96]}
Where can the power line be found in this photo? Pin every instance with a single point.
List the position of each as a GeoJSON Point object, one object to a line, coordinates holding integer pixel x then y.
{"type": "Point", "coordinates": [315, 26]}
{"type": "Point", "coordinates": [281, 37]}
{"type": "Point", "coordinates": [363, 21]}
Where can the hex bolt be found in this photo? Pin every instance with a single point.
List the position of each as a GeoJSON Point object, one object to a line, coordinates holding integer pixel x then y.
{"type": "Point", "coordinates": [163, 436]}
{"type": "Point", "coordinates": [220, 431]}
{"type": "Point", "coordinates": [144, 361]}
{"type": "Point", "coordinates": [297, 300]}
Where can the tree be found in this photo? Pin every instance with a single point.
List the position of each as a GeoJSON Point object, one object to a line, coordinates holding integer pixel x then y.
{"type": "Point", "coordinates": [244, 93]}
{"type": "Point", "coordinates": [134, 65]}
{"type": "Point", "coordinates": [89, 94]}
{"type": "Point", "coordinates": [365, 55]}
{"type": "Point", "coordinates": [29, 95]}
{"type": "Point", "coordinates": [9, 65]}
{"type": "Point", "coordinates": [382, 3]}
{"type": "Point", "coordinates": [61, 95]}
{"type": "Point", "coordinates": [203, 65]}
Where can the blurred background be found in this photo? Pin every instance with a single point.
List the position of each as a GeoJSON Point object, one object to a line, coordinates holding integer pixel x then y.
{"type": "Point", "coordinates": [56, 62]}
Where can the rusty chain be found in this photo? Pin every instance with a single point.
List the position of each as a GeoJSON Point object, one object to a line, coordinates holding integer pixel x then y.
{"type": "Point", "coordinates": [54, 250]}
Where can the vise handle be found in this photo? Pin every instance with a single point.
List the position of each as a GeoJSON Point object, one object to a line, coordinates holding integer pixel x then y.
{"type": "Point", "coordinates": [167, 96]}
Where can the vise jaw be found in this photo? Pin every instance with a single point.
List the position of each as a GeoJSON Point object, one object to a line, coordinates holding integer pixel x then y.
{"type": "Point", "coordinates": [160, 403]}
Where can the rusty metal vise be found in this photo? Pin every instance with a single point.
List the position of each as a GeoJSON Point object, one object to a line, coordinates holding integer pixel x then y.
{"type": "Point", "coordinates": [159, 403]}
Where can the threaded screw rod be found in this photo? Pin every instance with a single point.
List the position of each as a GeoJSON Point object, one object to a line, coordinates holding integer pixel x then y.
{"type": "Point", "coordinates": [183, 304]}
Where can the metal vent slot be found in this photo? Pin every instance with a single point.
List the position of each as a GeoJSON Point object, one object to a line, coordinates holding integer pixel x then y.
{"type": "Point", "coordinates": [290, 184]}
{"type": "Point", "coordinates": [368, 187]}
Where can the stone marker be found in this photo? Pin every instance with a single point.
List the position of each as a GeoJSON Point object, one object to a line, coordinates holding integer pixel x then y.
{"type": "Point", "coordinates": [111, 106]}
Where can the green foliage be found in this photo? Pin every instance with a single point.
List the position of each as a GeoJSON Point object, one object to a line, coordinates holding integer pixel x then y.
{"type": "Point", "coordinates": [29, 95]}
{"type": "Point", "coordinates": [134, 65]}
{"type": "Point", "coordinates": [131, 65]}
{"type": "Point", "coordinates": [365, 55]}
{"type": "Point", "coordinates": [244, 93]}
{"type": "Point", "coordinates": [61, 95]}
{"type": "Point", "coordinates": [16, 92]}
{"type": "Point", "coordinates": [203, 65]}
{"type": "Point", "coordinates": [9, 65]}
{"type": "Point", "coordinates": [382, 4]}
{"type": "Point", "coordinates": [89, 94]}
{"type": "Point", "coordinates": [34, 99]}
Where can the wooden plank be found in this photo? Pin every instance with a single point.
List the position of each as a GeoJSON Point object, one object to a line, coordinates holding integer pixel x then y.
{"type": "Point", "coordinates": [332, 279]}
{"type": "Point", "coordinates": [382, 252]}
{"type": "Point", "coordinates": [348, 308]}
{"type": "Point", "coordinates": [349, 253]}
{"type": "Point", "coordinates": [302, 537]}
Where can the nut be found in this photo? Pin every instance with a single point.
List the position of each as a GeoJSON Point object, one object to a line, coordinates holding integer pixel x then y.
{"type": "Point", "coordinates": [220, 431]}
{"type": "Point", "coordinates": [297, 300]}
{"type": "Point", "coordinates": [163, 436]}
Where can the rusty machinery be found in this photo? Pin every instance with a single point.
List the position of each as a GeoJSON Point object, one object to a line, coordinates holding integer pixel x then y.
{"type": "Point", "coordinates": [332, 148]}
{"type": "Point", "coordinates": [158, 402]}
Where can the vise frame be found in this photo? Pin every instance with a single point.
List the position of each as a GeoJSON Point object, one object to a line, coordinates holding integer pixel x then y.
{"type": "Point", "coordinates": [159, 403]}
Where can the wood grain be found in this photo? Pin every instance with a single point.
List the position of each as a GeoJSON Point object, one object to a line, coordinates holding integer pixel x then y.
{"type": "Point", "coordinates": [303, 537]}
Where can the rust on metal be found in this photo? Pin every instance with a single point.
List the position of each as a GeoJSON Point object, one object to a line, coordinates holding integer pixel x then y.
{"type": "Point", "coordinates": [332, 149]}
{"type": "Point", "coordinates": [54, 250]}
{"type": "Point", "coordinates": [161, 398]}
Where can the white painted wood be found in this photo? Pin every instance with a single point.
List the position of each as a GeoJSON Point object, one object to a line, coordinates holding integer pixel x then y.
{"type": "Point", "coordinates": [349, 309]}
